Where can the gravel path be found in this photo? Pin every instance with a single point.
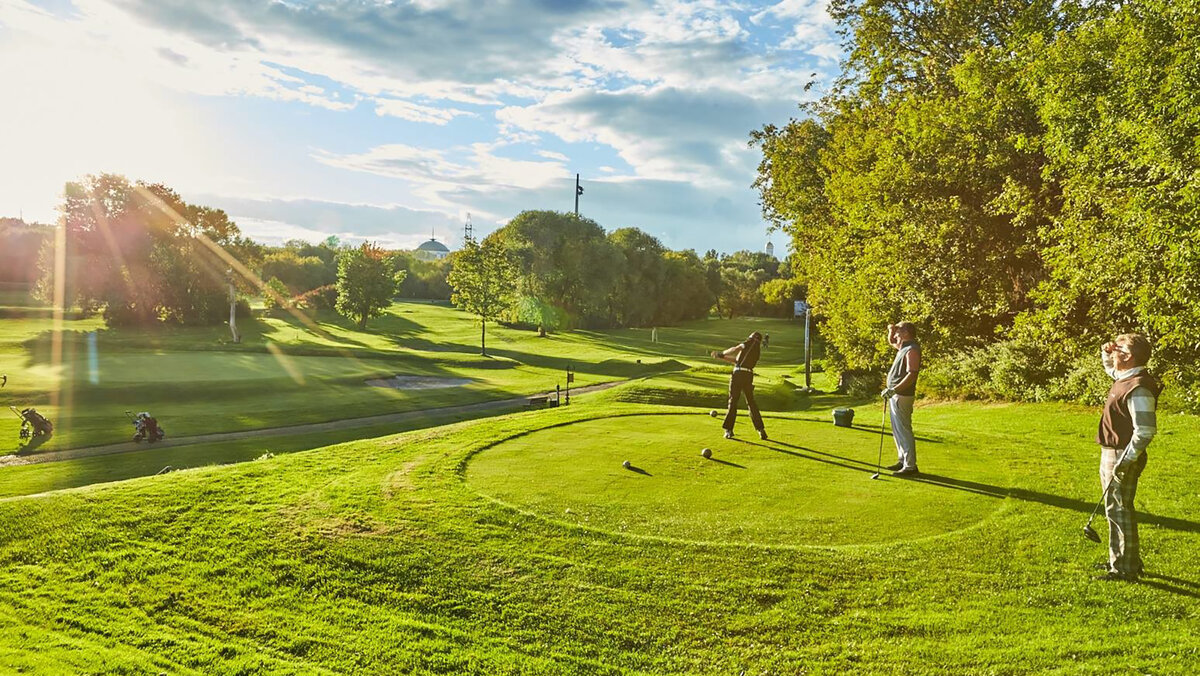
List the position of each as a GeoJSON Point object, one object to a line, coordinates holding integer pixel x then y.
{"type": "Point", "coordinates": [349, 423]}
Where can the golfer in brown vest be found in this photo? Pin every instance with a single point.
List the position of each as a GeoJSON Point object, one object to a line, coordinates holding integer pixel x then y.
{"type": "Point", "coordinates": [1127, 424]}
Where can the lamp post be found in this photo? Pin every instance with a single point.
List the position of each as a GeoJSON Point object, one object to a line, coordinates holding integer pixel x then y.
{"type": "Point", "coordinates": [803, 307]}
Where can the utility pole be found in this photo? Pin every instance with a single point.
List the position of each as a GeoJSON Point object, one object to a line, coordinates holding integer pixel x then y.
{"type": "Point", "coordinates": [578, 192]}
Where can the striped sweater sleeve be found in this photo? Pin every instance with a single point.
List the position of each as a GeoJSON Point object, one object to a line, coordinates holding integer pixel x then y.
{"type": "Point", "coordinates": [1145, 422]}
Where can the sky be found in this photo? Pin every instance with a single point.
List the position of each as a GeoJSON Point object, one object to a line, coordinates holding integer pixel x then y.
{"type": "Point", "coordinates": [392, 121]}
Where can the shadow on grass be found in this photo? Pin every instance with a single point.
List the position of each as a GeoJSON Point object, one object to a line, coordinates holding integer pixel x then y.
{"type": "Point", "coordinates": [638, 470]}
{"type": "Point", "coordinates": [1048, 499]}
{"type": "Point", "coordinates": [976, 487]}
{"type": "Point", "coordinates": [838, 461]}
{"type": "Point", "coordinates": [1173, 585]}
{"type": "Point", "coordinates": [33, 444]}
{"type": "Point", "coordinates": [875, 430]}
{"type": "Point", "coordinates": [726, 462]}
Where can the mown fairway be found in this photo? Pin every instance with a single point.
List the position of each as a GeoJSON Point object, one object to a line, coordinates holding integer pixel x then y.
{"type": "Point", "coordinates": [451, 551]}
{"type": "Point", "coordinates": [290, 372]}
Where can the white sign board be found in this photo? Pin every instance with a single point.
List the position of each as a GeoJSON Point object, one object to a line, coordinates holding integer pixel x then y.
{"type": "Point", "coordinates": [801, 308]}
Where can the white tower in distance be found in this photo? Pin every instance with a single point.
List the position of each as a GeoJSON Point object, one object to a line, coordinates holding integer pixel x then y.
{"type": "Point", "coordinates": [770, 249]}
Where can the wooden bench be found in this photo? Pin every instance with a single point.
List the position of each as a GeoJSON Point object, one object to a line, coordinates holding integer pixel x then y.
{"type": "Point", "coordinates": [543, 401]}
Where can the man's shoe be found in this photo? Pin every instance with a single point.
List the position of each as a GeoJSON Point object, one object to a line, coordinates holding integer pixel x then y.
{"type": "Point", "coordinates": [1114, 576]}
{"type": "Point", "coordinates": [728, 434]}
{"type": "Point", "coordinates": [906, 471]}
{"type": "Point", "coordinates": [1101, 565]}
{"type": "Point", "coordinates": [893, 468]}
{"type": "Point", "coordinates": [762, 434]}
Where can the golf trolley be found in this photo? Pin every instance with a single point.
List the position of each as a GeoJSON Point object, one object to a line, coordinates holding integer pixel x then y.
{"type": "Point", "coordinates": [33, 424]}
{"type": "Point", "coordinates": [145, 427]}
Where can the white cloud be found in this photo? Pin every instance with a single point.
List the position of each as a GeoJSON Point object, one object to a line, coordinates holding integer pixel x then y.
{"type": "Point", "coordinates": [277, 220]}
{"type": "Point", "coordinates": [665, 134]}
{"type": "Point", "coordinates": [416, 112]}
{"type": "Point", "coordinates": [436, 172]}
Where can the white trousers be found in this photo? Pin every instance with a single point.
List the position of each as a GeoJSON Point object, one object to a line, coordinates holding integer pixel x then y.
{"type": "Point", "coordinates": [900, 408]}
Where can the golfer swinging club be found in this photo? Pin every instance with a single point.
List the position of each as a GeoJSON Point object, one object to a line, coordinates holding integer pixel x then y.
{"type": "Point", "coordinates": [743, 356]}
{"type": "Point", "coordinates": [900, 393]}
{"type": "Point", "coordinates": [1127, 424]}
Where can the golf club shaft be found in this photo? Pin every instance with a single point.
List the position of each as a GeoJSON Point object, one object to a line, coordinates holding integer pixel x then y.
{"type": "Point", "coordinates": [882, 427]}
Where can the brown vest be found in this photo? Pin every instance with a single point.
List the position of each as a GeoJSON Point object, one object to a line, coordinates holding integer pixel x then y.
{"type": "Point", "coordinates": [1116, 423]}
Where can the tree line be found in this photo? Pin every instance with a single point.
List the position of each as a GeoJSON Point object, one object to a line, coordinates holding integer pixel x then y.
{"type": "Point", "coordinates": [139, 254]}
{"type": "Point", "coordinates": [1019, 177]}
{"type": "Point", "coordinates": [553, 270]}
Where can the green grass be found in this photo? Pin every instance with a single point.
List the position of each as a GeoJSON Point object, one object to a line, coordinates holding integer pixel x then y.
{"type": "Point", "coordinates": [802, 486]}
{"type": "Point", "coordinates": [450, 551]}
{"type": "Point", "coordinates": [291, 372]}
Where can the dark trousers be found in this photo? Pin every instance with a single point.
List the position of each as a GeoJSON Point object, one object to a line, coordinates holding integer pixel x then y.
{"type": "Point", "coordinates": [742, 383]}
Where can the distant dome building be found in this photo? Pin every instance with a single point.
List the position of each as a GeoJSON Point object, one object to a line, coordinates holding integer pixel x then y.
{"type": "Point", "coordinates": [770, 249]}
{"type": "Point", "coordinates": [432, 250]}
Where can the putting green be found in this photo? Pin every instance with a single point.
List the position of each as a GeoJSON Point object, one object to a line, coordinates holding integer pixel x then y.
{"type": "Point", "coordinates": [809, 485]}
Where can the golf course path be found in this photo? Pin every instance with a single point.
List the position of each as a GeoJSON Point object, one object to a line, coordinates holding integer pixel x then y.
{"type": "Point", "coordinates": [515, 403]}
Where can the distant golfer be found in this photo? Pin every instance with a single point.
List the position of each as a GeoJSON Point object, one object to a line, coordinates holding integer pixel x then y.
{"type": "Point", "coordinates": [743, 356]}
{"type": "Point", "coordinates": [1127, 425]}
{"type": "Point", "coordinates": [900, 392]}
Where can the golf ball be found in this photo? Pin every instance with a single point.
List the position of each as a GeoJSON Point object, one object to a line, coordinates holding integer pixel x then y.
{"type": "Point", "coordinates": [626, 464]}
{"type": "Point", "coordinates": [713, 413]}
{"type": "Point", "coordinates": [707, 453]}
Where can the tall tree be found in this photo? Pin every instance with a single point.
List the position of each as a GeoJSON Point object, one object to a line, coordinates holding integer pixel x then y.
{"type": "Point", "coordinates": [484, 280]}
{"type": "Point", "coordinates": [568, 267]}
{"type": "Point", "coordinates": [636, 296]}
{"type": "Point", "coordinates": [141, 253]}
{"type": "Point", "coordinates": [366, 282]}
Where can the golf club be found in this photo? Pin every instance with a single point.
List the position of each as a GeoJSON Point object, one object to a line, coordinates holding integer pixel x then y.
{"type": "Point", "coordinates": [879, 458]}
{"type": "Point", "coordinates": [1089, 532]}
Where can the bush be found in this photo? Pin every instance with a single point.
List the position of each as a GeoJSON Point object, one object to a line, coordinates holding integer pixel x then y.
{"type": "Point", "coordinates": [276, 295]}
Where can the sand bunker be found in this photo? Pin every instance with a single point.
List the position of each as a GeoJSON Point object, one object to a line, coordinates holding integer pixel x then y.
{"type": "Point", "coordinates": [417, 382]}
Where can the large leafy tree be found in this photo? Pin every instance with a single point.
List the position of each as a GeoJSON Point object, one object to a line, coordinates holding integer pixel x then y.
{"type": "Point", "coordinates": [1016, 175]}
{"type": "Point", "coordinates": [1121, 101]}
{"type": "Point", "coordinates": [142, 254]}
{"type": "Point", "coordinates": [913, 189]}
{"type": "Point", "coordinates": [638, 292]}
{"type": "Point", "coordinates": [484, 281]}
{"type": "Point", "coordinates": [568, 268]}
{"type": "Point", "coordinates": [366, 282]}
{"type": "Point", "coordinates": [685, 291]}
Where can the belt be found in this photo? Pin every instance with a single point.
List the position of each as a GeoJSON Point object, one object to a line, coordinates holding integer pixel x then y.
{"type": "Point", "coordinates": [739, 368]}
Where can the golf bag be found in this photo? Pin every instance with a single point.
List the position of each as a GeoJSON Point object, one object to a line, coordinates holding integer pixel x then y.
{"type": "Point", "coordinates": [33, 424]}
{"type": "Point", "coordinates": [145, 427]}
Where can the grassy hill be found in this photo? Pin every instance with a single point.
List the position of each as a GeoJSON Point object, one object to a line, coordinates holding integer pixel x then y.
{"type": "Point", "coordinates": [289, 372]}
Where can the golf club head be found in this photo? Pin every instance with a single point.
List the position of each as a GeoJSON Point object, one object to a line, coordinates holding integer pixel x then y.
{"type": "Point", "coordinates": [1090, 533]}
{"type": "Point", "coordinates": [875, 475]}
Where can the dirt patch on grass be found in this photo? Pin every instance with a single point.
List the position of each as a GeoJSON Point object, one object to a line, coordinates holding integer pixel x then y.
{"type": "Point", "coordinates": [399, 480]}
{"type": "Point", "coordinates": [418, 382]}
